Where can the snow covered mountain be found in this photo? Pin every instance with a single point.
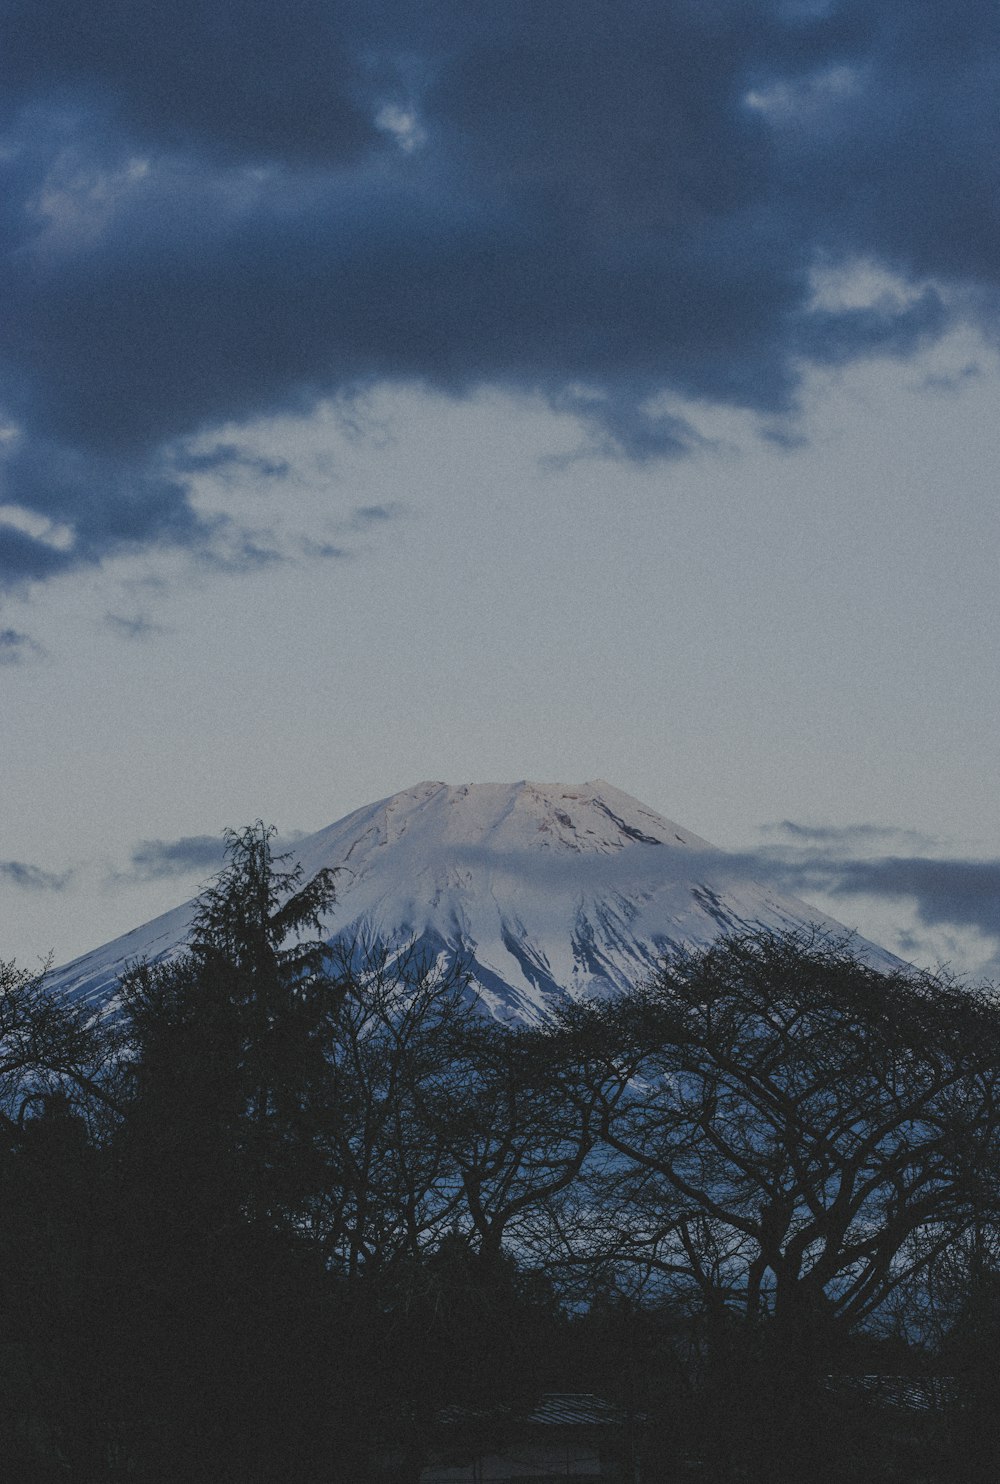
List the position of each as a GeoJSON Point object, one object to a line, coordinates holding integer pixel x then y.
{"type": "Point", "coordinates": [541, 890]}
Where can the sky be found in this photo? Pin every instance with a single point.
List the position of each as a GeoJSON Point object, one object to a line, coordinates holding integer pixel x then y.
{"type": "Point", "coordinates": [548, 390]}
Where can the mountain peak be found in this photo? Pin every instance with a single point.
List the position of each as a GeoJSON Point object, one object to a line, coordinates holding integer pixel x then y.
{"type": "Point", "coordinates": [540, 890]}
{"type": "Point", "coordinates": [592, 816]}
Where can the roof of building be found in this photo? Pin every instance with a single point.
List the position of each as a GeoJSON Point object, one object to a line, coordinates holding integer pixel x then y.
{"type": "Point", "coordinates": [905, 1393]}
{"type": "Point", "coordinates": [575, 1409]}
{"type": "Point", "coordinates": [552, 1409]}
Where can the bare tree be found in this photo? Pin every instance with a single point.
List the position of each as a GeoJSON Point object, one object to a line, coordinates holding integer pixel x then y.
{"type": "Point", "coordinates": [796, 1116]}
{"type": "Point", "coordinates": [794, 1134]}
{"type": "Point", "coordinates": [49, 1048]}
{"type": "Point", "coordinates": [516, 1140]}
{"type": "Point", "coordinates": [390, 1188]}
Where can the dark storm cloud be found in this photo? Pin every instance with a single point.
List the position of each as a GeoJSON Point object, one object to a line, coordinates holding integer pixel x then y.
{"type": "Point", "coordinates": [32, 878]}
{"type": "Point", "coordinates": [214, 212]}
{"type": "Point", "coordinates": [109, 501]}
{"type": "Point", "coordinates": [252, 80]}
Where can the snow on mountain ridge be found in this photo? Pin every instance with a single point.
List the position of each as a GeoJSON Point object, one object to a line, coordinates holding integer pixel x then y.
{"type": "Point", "coordinates": [511, 816]}
{"type": "Point", "coordinates": [540, 890]}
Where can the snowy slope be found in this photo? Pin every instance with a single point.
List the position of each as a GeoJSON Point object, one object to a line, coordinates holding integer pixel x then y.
{"type": "Point", "coordinates": [541, 890]}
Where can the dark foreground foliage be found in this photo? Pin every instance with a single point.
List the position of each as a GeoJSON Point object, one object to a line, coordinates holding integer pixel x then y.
{"type": "Point", "coordinates": [285, 1210]}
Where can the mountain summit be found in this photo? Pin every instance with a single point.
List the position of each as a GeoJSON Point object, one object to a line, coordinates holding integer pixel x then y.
{"type": "Point", "coordinates": [540, 890]}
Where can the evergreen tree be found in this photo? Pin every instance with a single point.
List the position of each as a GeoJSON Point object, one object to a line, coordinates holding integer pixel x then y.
{"type": "Point", "coordinates": [231, 1035]}
{"type": "Point", "coordinates": [224, 1342]}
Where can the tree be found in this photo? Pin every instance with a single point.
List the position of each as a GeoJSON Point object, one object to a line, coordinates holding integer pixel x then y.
{"type": "Point", "coordinates": [388, 1191]}
{"type": "Point", "coordinates": [57, 1107]}
{"type": "Point", "coordinates": [801, 1132]}
{"type": "Point", "coordinates": [956, 1303]}
{"type": "Point", "coordinates": [232, 1032]}
{"type": "Point", "coordinates": [225, 1351]}
{"type": "Point", "coordinates": [516, 1141]}
{"type": "Point", "coordinates": [47, 1044]}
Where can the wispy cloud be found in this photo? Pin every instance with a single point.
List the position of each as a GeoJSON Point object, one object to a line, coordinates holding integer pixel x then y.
{"type": "Point", "coordinates": [156, 860]}
{"type": "Point", "coordinates": [160, 860]}
{"type": "Point", "coordinates": [363, 517]}
{"type": "Point", "coordinates": [33, 878]}
{"type": "Point", "coordinates": [849, 837]}
{"type": "Point", "coordinates": [17, 648]}
{"type": "Point", "coordinates": [952, 892]}
{"type": "Point", "coordinates": [327, 551]}
{"type": "Point", "coordinates": [228, 459]}
{"type": "Point", "coordinates": [133, 627]}
{"type": "Point", "coordinates": [950, 383]}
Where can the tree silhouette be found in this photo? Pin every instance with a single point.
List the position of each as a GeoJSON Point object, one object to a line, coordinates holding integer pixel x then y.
{"type": "Point", "coordinates": [223, 1346]}
{"type": "Point", "coordinates": [799, 1133]}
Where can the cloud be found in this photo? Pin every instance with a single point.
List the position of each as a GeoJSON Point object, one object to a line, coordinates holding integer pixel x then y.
{"type": "Point", "coordinates": [228, 459]}
{"type": "Point", "coordinates": [846, 837]}
{"type": "Point", "coordinates": [880, 861]}
{"type": "Point", "coordinates": [138, 626]}
{"type": "Point", "coordinates": [369, 517]}
{"type": "Point", "coordinates": [324, 550]}
{"type": "Point", "coordinates": [946, 384]}
{"type": "Point", "coordinates": [108, 502]}
{"type": "Point", "coordinates": [209, 214]}
{"type": "Point", "coordinates": [155, 860]}
{"type": "Point", "coordinates": [33, 878]}
{"type": "Point", "coordinates": [158, 860]}
{"type": "Point", "coordinates": [951, 892]}
{"type": "Point", "coordinates": [17, 648]}
{"type": "Point", "coordinates": [954, 892]}
{"type": "Point", "coordinates": [962, 893]}
{"type": "Point", "coordinates": [254, 83]}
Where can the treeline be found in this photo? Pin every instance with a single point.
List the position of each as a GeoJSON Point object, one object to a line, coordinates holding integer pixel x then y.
{"type": "Point", "coordinates": [278, 1210]}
